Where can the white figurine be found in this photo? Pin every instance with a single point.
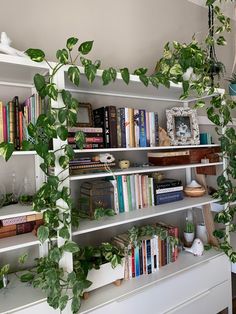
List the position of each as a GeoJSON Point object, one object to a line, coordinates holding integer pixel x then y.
{"type": "Point", "coordinates": [189, 75]}
{"type": "Point", "coordinates": [6, 48]}
{"type": "Point", "coordinates": [197, 248]}
{"type": "Point", "coordinates": [107, 158]}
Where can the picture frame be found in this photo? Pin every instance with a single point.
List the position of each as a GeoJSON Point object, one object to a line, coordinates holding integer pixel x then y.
{"type": "Point", "coordinates": [182, 126]}
{"type": "Point", "coordinates": [85, 115]}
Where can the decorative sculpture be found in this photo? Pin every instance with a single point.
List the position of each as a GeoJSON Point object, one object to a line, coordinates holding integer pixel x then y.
{"type": "Point", "coordinates": [5, 47]}
{"type": "Point", "coordinates": [197, 248]}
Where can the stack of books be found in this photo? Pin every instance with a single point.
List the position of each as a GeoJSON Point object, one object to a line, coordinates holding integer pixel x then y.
{"type": "Point", "coordinates": [127, 127]}
{"type": "Point", "coordinates": [18, 225]}
{"type": "Point", "coordinates": [93, 137]}
{"type": "Point", "coordinates": [167, 191]}
{"type": "Point", "coordinates": [15, 117]}
{"type": "Point", "coordinates": [152, 254]}
{"type": "Point", "coordinates": [87, 164]}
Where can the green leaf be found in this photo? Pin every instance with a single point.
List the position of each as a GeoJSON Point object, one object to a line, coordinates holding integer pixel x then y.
{"type": "Point", "coordinates": [5, 269]}
{"type": "Point", "coordinates": [140, 71]}
{"type": "Point", "coordinates": [75, 305]}
{"type": "Point", "coordinates": [63, 302]}
{"type": "Point", "coordinates": [26, 145]}
{"type": "Point", "coordinates": [71, 278]}
{"type": "Point", "coordinates": [97, 64]}
{"type": "Point", "coordinates": [72, 117]}
{"type": "Point", "coordinates": [27, 277]}
{"type": "Point", "coordinates": [6, 150]}
{"type": "Point", "coordinates": [143, 78]}
{"type": "Point", "coordinates": [113, 73]}
{"type": "Point", "coordinates": [80, 139]}
{"type": "Point", "coordinates": [52, 91]}
{"type": "Point", "coordinates": [62, 56]}
{"type": "Point", "coordinates": [71, 247]}
{"type": "Point", "coordinates": [43, 233]}
{"type": "Point", "coordinates": [36, 55]}
{"type": "Point", "coordinates": [69, 151]}
{"type": "Point", "coordinates": [125, 75]}
{"type": "Point", "coordinates": [85, 61]}
{"type": "Point", "coordinates": [64, 161]}
{"type": "Point", "coordinates": [90, 71]}
{"type": "Point", "coordinates": [85, 47]}
{"type": "Point", "coordinates": [176, 70]}
{"type": "Point", "coordinates": [55, 254]}
{"type": "Point", "coordinates": [106, 77]}
{"type": "Point", "coordinates": [74, 75]}
{"type": "Point", "coordinates": [221, 41]}
{"type": "Point", "coordinates": [62, 114]}
{"type": "Point", "coordinates": [23, 258]}
{"type": "Point", "coordinates": [41, 149]}
{"type": "Point", "coordinates": [40, 85]}
{"type": "Point", "coordinates": [62, 132]}
{"type": "Point", "coordinates": [64, 233]}
{"type": "Point", "coordinates": [71, 42]}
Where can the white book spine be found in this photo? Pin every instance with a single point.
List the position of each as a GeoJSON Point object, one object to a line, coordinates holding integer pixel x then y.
{"type": "Point", "coordinates": [137, 192]}
{"type": "Point", "coordinates": [167, 190]}
{"type": "Point", "coordinates": [156, 252]}
{"type": "Point", "coordinates": [152, 129]}
{"type": "Point", "coordinates": [152, 192]}
{"type": "Point", "coordinates": [116, 201]}
{"type": "Point", "coordinates": [132, 187]}
{"type": "Point", "coordinates": [125, 193]}
{"type": "Point", "coordinates": [152, 242]}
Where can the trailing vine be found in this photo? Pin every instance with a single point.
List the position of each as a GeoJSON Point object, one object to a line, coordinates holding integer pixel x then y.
{"type": "Point", "coordinates": [188, 64]}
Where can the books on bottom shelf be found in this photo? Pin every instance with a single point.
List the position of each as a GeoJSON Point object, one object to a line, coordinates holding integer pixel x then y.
{"type": "Point", "coordinates": [152, 253]}
{"type": "Point", "coordinates": [19, 225]}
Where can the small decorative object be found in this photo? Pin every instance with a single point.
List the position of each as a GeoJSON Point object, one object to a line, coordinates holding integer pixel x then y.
{"type": "Point", "coordinates": [189, 232]}
{"type": "Point", "coordinates": [182, 126]}
{"type": "Point", "coordinates": [164, 139]}
{"type": "Point", "coordinates": [197, 248]}
{"type": "Point", "coordinates": [194, 189]}
{"type": "Point", "coordinates": [158, 176]}
{"type": "Point", "coordinates": [201, 233]}
{"type": "Point", "coordinates": [5, 47]}
{"type": "Point", "coordinates": [205, 161]}
{"type": "Point", "coordinates": [96, 194]}
{"type": "Point", "coordinates": [124, 164]}
{"type": "Point", "coordinates": [85, 115]}
{"type": "Point", "coordinates": [106, 158]}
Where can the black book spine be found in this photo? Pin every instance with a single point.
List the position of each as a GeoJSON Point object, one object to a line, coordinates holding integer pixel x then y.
{"type": "Point", "coordinates": [112, 126]}
{"type": "Point", "coordinates": [122, 126]}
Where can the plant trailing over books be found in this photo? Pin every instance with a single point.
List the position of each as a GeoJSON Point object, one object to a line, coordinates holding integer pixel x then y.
{"type": "Point", "coordinates": [184, 63]}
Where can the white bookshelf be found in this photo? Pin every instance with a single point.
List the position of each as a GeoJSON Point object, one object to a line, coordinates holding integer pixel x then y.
{"type": "Point", "coordinates": [18, 242]}
{"type": "Point", "coordinates": [15, 210]}
{"type": "Point", "coordinates": [141, 214]}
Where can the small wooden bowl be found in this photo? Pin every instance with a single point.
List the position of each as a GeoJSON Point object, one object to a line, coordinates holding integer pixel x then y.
{"type": "Point", "coordinates": [194, 192]}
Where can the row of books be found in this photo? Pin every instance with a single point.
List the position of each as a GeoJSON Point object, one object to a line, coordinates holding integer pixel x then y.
{"type": "Point", "coordinates": [15, 117]}
{"type": "Point", "coordinates": [151, 254]}
{"type": "Point", "coordinates": [18, 225]}
{"type": "Point", "coordinates": [127, 127]}
{"type": "Point", "coordinates": [139, 191]}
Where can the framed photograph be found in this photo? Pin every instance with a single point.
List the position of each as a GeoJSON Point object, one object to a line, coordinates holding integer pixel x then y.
{"type": "Point", "coordinates": [182, 126]}
{"type": "Point", "coordinates": [85, 115]}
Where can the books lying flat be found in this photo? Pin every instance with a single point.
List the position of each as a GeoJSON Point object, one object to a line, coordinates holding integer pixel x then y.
{"type": "Point", "coordinates": [167, 183]}
{"type": "Point", "coordinates": [169, 158]}
{"type": "Point", "coordinates": [171, 189]}
{"type": "Point", "coordinates": [169, 197]}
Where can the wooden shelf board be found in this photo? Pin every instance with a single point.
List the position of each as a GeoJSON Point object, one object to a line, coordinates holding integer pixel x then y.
{"type": "Point", "coordinates": [143, 148]}
{"type": "Point", "coordinates": [15, 210]}
{"type": "Point", "coordinates": [132, 170]}
{"type": "Point", "coordinates": [111, 293]}
{"type": "Point", "coordinates": [18, 295]}
{"type": "Point", "coordinates": [18, 242]}
{"type": "Point", "coordinates": [87, 225]}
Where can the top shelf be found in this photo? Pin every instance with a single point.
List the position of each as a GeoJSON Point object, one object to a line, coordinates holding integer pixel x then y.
{"type": "Point", "coordinates": [20, 71]}
{"type": "Point", "coordinates": [135, 88]}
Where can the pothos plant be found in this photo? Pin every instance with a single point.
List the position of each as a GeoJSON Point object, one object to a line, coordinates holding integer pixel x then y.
{"type": "Point", "coordinates": [181, 63]}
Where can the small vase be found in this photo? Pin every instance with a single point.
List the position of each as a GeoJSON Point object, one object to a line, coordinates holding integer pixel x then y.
{"type": "Point", "coordinates": [201, 233]}
{"type": "Point", "coordinates": [232, 89]}
{"type": "Point", "coordinates": [188, 238]}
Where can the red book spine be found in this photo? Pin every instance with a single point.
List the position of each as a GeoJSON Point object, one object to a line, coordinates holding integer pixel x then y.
{"type": "Point", "coordinates": [20, 128]}
{"type": "Point", "coordinates": [133, 263]}
{"type": "Point", "coordinates": [25, 227]}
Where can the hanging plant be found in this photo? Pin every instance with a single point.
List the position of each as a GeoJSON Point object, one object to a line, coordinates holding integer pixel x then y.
{"type": "Point", "coordinates": [181, 63]}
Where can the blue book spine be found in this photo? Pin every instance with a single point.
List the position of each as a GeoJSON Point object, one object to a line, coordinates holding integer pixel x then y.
{"type": "Point", "coordinates": [169, 197]}
{"type": "Point", "coordinates": [120, 194]}
{"type": "Point", "coordinates": [137, 262]}
{"type": "Point", "coordinates": [149, 257]}
{"type": "Point", "coordinates": [142, 128]}
{"type": "Point", "coordinates": [156, 129]}
{"type": "Point", "coordinates": [141, 260]}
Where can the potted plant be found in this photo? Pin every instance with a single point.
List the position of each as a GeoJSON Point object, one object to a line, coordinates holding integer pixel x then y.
{"type": "Point", "coordinates": [232, 85]}
{"type": "Point", "coordinates": [3, 276]}
{"type": "Point", "coordinates": [188, 232]}
{"type": "Point", "coordinates": [99, 266]}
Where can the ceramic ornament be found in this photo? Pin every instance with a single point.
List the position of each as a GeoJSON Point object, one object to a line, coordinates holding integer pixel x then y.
{"type": "Point", "coordinates": [194, 189]}
{"type": "Point", "coordinates": [107, 158]}
{"type": "Point", "coordinates": [5, 47]}
{"type": "Point", "coordinates": [197, 248]}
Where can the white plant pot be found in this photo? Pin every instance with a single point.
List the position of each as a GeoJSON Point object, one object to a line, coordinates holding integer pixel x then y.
{"type": "Point", "coordinates": [189, 237]}
{"type": "Point", "coordinates": [105, 275]}
{"type": "Point", "coordinates": [202, 233]}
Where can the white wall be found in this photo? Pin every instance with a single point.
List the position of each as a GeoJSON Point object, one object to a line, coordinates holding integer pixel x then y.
{"type": "Point", "coordinates": [126, 32]}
